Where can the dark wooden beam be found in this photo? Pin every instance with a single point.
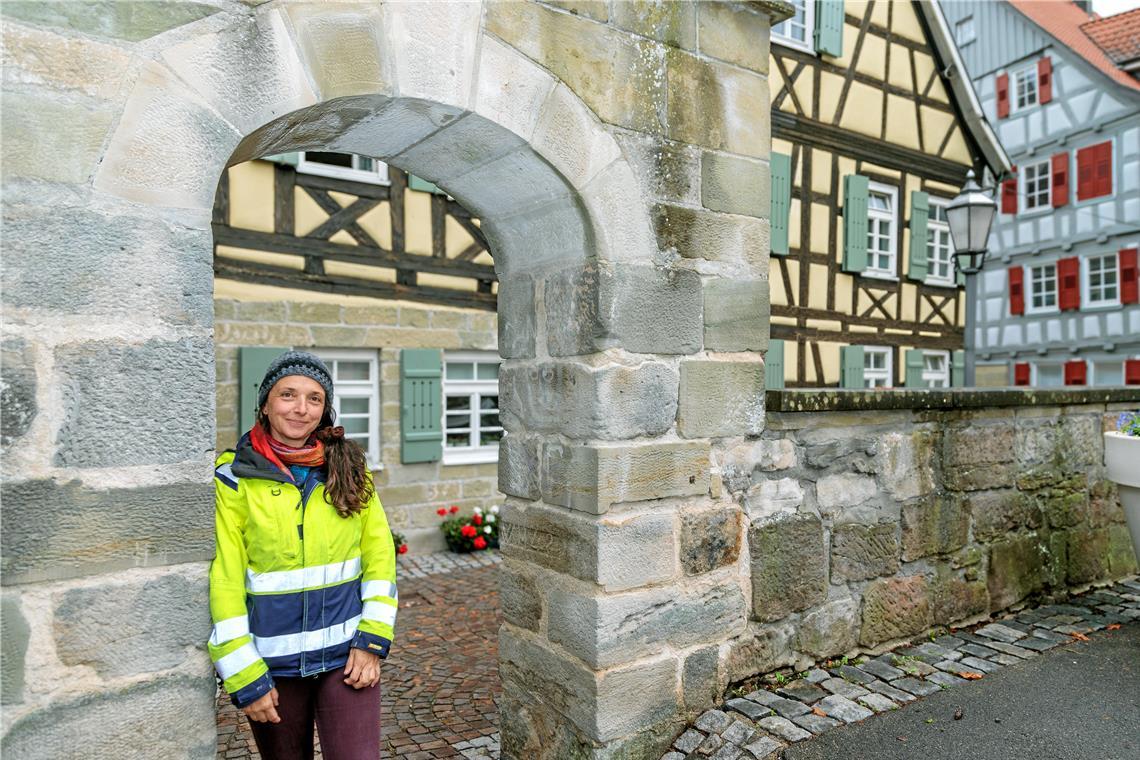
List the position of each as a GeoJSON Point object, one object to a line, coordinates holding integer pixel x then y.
{"type": "Point", "coordinates": [790, 332]}
{"type": "Point", "coordinates": [338, 185]}
{"type": "Point", "coordinates": [341, 219]}
{"type": "Point", "coordinates": [438, 226]}
{"type": "Point", "coordinates": [332, 208]}
{"type": "Point", "coordinates": [221, 212]}
{"type": "Point", "coordinates": [804, 313]}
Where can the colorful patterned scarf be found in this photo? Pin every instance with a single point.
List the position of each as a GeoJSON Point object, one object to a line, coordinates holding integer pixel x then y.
{"type": "Point", "coordinates": [312, 454]}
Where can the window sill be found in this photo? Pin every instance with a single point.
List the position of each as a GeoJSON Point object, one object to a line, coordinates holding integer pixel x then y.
{"type": "Point", "coordinates": [1106, 306]}
{"type": "Point", "coordinates": [488, 455]}
{"type": "Point", "coordinates": [788, 42]}
{"type": "Point", "coordinates": [940, 283]}
{"type": "Point", "coordinates": [878, 275]}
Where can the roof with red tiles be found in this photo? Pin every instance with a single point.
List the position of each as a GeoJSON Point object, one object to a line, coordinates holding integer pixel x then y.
{"type": "Point", "coordinates": [1064, 21]}
{"type": "Point", "coordinates": [1118, 36]}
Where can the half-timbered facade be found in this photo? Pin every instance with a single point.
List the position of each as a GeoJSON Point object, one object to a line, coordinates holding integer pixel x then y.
{"type": "Point", "coordinates": [871, 138]}
{"type": "Point", "coordinates": [1060, 293]}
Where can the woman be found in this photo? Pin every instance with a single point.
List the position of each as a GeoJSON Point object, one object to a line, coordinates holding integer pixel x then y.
{"type": "Point", "coordinates": [302, 588]}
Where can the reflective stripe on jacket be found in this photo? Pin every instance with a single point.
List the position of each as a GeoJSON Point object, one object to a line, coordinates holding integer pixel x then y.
{"type": "Point", "coordinates": [293, 585]}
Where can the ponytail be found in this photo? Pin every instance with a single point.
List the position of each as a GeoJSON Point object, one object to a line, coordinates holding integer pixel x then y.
{"type": "Point", "coordinates": [348, 487]}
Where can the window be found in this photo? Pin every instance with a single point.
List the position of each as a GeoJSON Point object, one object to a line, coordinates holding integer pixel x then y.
{"type": "Point", "coordinates": [939, 248]}
{"type": "Point", "coordinates": [882, 224]}
{"type": "Point", "coordinates": [1035, 186]}
{"type": "Point", "coordinates": [1042, 288]}
{"type": "Point", "coordinates": [964, 31]}
{"type": "Point", "coordinates": [876, 367]}
{"type": "Point", "coordinates": [471, 426]}
{"type": "Point", "coordinates": [1108, 373]}
{"type": "Point", "coordinates": [1094, 171]}
{"type": "Point", "coordinates": [1025, 87]}
{"type": "Point", "coordinates": [797, 31]}
{"type": "Point", "coordinates": [356, 397]}
{"type": "Point", "coordinates": [936, 369]}
{"type": "Point", "coordinates": [344, 166]}
{"type": "Point", "coordinates": [1049, 375]}
{"type": "Point", "coordinates": [1101, 278]}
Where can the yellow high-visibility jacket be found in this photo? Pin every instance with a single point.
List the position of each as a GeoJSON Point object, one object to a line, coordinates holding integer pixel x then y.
{"type": "Point", "coordinates": [293, 585]}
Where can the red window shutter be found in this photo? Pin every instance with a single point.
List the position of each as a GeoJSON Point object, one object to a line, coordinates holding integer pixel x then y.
{"type": "Point", "coordinates": [1003, 95]}
{"type": "Point", "coordinates": [1129, 276]}
{"type": "Point", "coordinates": [1094, 171]}
{"type": "Point", "coordinates": [1060, 180]}
{"type": "Point", "coordinates": [1021, 373]}
{"type": "Point", "coordinates": [1016, 290]}
{"type": "Point", "coordinates": [1132, 371]}
{"type": "Point", "coordinates": [1045, 79]}
{"type": "Point", "coordinates": [1009, 195]}
{"type": "Point", "coordinates": [1076, 372]}
{"type": "Point", "coordinates": [1069, 283]}
{"type": "Point", "coordinates": [1104, 169]}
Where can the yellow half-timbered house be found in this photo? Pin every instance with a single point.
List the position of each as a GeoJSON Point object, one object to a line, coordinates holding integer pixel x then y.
{"type": "Point", "coordinates": [874, 126]}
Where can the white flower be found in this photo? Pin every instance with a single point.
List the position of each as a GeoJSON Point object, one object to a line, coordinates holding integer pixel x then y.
{"type": "Point", "coordinates": [495, 509]}
{"type": "Point", "coordinates": [478, 510]}
{"type": "Point", "coordinates": [486, 528]}
{"type": "Point", "coordinates": [490, 518]}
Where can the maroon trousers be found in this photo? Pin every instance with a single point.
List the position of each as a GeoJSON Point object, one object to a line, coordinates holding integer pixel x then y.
{"type": "Point", "coordinates": [347, 719]}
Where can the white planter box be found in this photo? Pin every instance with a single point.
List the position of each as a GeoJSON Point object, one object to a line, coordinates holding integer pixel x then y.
{"type": "Point", "coordinates": [1122, 460]}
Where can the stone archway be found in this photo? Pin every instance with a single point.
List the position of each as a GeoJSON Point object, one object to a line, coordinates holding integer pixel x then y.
{"type": "Point", "coordinates": [633, 302]}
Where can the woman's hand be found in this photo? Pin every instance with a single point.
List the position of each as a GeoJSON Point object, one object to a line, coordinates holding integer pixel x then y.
{"type": "Point", "coordinates": [363, 668]}
{"type": "Point", "coordinates": [263, 710]}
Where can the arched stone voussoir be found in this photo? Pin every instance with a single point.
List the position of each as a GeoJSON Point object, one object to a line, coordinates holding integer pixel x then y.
{"type": "Point", "coordinates": [435, 48]}
{"type": "Point", "coordinates": [511, 88]}
{"type": "Point", "coordinates": [619, 216]}
{"type": "Point", "coordinates": [340, 45]}
{"type": "Point", "coordinates": [572, 138]}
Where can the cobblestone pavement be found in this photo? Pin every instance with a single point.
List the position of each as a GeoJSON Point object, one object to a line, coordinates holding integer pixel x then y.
{"type": "Point", "coordinates": [758, 725]}
{"type": "Point", "coordinates": [440, 686]}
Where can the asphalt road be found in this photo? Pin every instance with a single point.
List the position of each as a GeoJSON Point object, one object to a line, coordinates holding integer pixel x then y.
{"type": "Point", "coordinates": [1081, 700]}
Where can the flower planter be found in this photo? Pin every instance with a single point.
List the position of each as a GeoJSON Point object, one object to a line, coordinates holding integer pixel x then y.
{"type": "Point", "coordinates": [1122, 460]}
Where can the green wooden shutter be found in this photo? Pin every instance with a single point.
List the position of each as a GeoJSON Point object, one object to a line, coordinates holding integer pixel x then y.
{"type": "Point", "coordinates": [774, 366]}
{"type": "Point", "coordinates": [957, 369]}
{"type": "Point", "coordinates": [421, 405]}
{"type": "Point", "coordinates": [855, 188]}
{"type": "Point", "coordinates": [415, 183]}
{"type": "Point", "coordinates": [781, 168]}
{"type": "Point", "coordinates": [829, 27]}
{"type": "Point", "coordinates": [919, 235]}
{"type": "Point", "coordinates": [850, 366]}
{"type": "Point", "coordinates": [284, 158]}
{"type": "Point", "coordinates": [914, 365]}
{"type": "Point", "coordinates": [253, 362]}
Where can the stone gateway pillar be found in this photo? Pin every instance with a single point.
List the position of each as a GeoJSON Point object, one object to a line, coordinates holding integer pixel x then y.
{"type": "Point", "coordinates": [617, 153]}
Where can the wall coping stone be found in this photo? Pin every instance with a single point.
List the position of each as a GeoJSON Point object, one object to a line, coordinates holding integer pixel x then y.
{"type": "Point", "coordinates": [842, 400]}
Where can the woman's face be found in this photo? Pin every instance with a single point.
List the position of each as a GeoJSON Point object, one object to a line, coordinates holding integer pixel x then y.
{"type": "Point", "coordinates": [294, 409]}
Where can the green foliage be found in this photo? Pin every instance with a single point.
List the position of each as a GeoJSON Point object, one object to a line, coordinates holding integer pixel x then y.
{"type": "Point", "coordinates": [470, 533]}
{"type": "Point", "coordinates": [1129, 423]}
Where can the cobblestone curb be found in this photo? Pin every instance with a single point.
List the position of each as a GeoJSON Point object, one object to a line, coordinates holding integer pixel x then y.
{"type": "Point", "coordinates": [758, 725]}
{"type": "Point", "coordinates": [423, 565]}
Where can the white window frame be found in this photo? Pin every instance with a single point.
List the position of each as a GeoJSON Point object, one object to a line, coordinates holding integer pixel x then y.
{"type": "Point", "coordinates": [1034, 373]}
{"type": "Point", "coordinates": [1087, 300]}
{"type": "Point", "coordinates": [808, 43]}
{"type": "Point", "coordinates": [961, 27]}
{"type": "Point", "coordinates": [891, 272]}
{"type": "Point", "coordinates": [475, 389]}
{"type": "Point", "coordinates": [369, 389]}
{"type": "Point", "coordinates": [886, 375]}
{"type": "Point", "coordinates": [1015, 83]}
{"type": "Point", "coordinates": [378, 176]}
{"type": "Point", "coordinates": [930, 377]}
{"type": "Point", "coordinates": [1042, 170]}
{"type": "Point", "coordinates": [1031, 289]}
{"type": "Point", "coordinates": [933, 227]}
{"type": "Point", "coordinates": [1093, 375]}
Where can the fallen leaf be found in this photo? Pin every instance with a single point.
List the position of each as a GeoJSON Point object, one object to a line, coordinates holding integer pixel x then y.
{"type": "Point", "coordinates": [970, 675]}
{"type": "Point", "coordinates": [900, 738]}
{"type": "Point", "coordinates": [958, 714]}
{"type": "Point", "coordinates": [1114, 627]}
{"type": "Point", "coordinates": [819, 712]}
{"type": "Point", "coordinates": [1079, 636]}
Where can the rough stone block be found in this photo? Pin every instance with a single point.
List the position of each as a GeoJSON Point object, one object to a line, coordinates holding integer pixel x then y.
{"type": "Point", "coordinates": [124, 404]}
{"type": "Point", "coordinates": [572, 139]}
{"type": "Point", "coordinates": [937, 525]}
{"type": "Point", "coordinates": [955, 599]}
{"type": "Point", "coordinates": [1121, 555]}
{"type": "Point", "coordinates": [738, 38]}
{"type": "Point", "coordinates": [710, 539]}
{"type": "Point", "coordinates": [341, 46]}
{"type": "Point", "coordinates": [605, 630]}
{"type": "Point", "coordinates": [611, 402]}
{"type": "Point", "coordinates": [700, 678]}
{"type": "Point", "coordinates": [1088, 555]}
{"type": "Point", "coordinates": [735, 185]}
{"type": "Point", "coordinates": [978, 457]}
{"type": "Point", "coordinates": [519, 597]}
{"type": "Point", "coordinates": [721, 398]}
{"type": "Point", "coordinates": [1066, 503]}
{"type": "Point", "coordinates": [141, 625]}
{"type": "Point", "coordinates": [593, 478]}
{"type": "Point", "coordinates": [17, 390]}
{"type": "Point", "coordinates": [849, 452]}
{"type": "Point", "coordinates": [14, 634]}
{"type": "Point", "coordinates": [830, 630]}
{"type": "Point", "coordinates": [1016, 568]}
{"type": "Point", "coordinates": [45, 539]}
{"type": "Point", "coordinates": [736, 314]}
{"type": "Point", "coordinates": [108, 20]}
{"type": "Point", "coordinates": [765, 649]}
{"type": "Point", "coordinates": [622, 230]}
{"type": "Point", "coordinates": [698, 234]}
{"type": "Point", "coordinates": [182, 705]}
{"type": "Point", "coordinates": [703, 112]}
{"type": "Point", "coordinates": [668, 171]}
{"type": "Point", "coordinates": [834, 493]}
{"type": "Point", "coordinates": [996, 513]}
{"type": "Point", "coordinates": [672, 23]}
{"type": "Point", "coordinates": [517, 319]}
{"type": "Point", "coordinates": [519, 467]}
{"type": "Point", "coordinates": [770, 498]}
{"type": "Point", "coordinates": [788, 565]}
{"type": "Point", "coordinates": [905, 463]}
{"type": "Point", "coordinates": [51, 138]}
{"type": "Point", "coordinates": [894, 608]}
{"type": "Point", "coordinates": [860, 552]}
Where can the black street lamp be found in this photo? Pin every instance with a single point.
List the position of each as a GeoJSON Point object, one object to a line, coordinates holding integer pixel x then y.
{"type": "Point", "coordinates": [970, 216]}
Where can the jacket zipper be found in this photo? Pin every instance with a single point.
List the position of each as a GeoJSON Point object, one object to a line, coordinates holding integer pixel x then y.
{"type": "Point", "coordinates": [304, 594]}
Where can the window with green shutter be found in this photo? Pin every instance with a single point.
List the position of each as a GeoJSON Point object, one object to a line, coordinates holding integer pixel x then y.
{"type": "Point", "coordinates": [774, 365]}
{"type": "Point", "coordinates": [781, 168]}
{"type": "Point", "coordinates": [253, 362]}
{"type": "Point", "coordinates": [919, 236]}
{"type": "Point", "coordinates": [851, 367]}
{"type": "Point", "coordinates": [421, 405]}
{"type": "Point", "coordinates": [914, 367]}
{"type": "Point", "coordinates": [958, 369]}
{"type": "Point", "coordinates": [855, 189]}
{"type": "Point", "coordinates": [829, 27]}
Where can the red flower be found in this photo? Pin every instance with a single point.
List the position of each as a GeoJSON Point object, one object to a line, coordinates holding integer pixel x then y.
{"type": "Point", "coordinates": [403, 549]}
{"type": "Point", "coordinates": [454, 509]}
{"type": "Point", "coordinates": [467, 531]}
{"type": "Point", "coordinates": [477, 519]}
{"type": "Point", "coordinates": [479, 543]}
{"type": "Point", "coordinates": [441, 511]}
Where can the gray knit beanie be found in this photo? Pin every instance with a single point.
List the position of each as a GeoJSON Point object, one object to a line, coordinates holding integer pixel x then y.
{"type": "Point", "coordinates": [296, 363]}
